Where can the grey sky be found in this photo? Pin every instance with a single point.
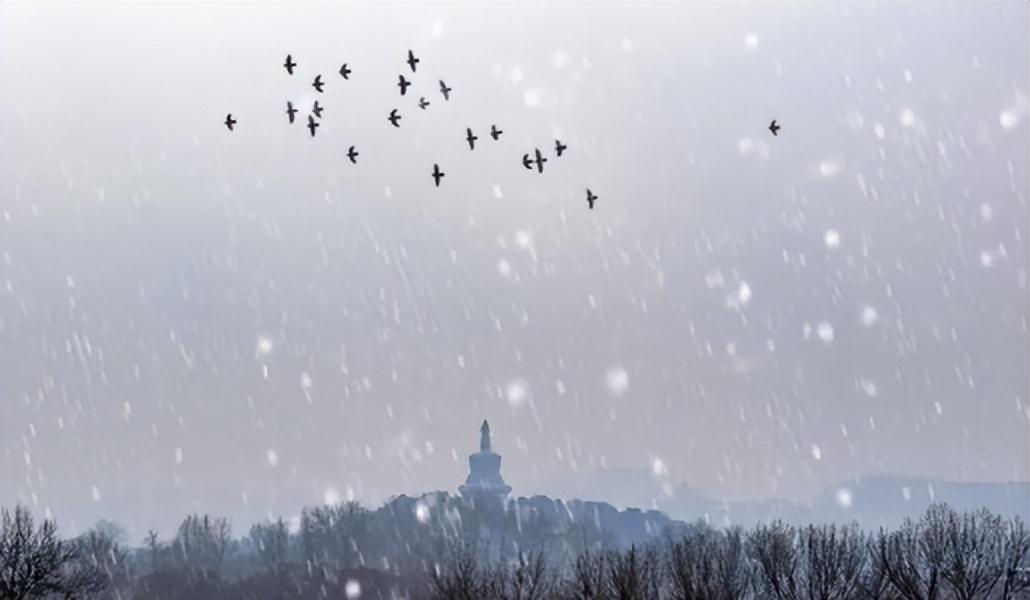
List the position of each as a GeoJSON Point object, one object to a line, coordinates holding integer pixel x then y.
{"type": "Point", "coordinates": [246, 324]}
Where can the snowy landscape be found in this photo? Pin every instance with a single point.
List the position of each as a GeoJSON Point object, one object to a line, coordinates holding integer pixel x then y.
{"type": "Point", "coordinates": [498, 300]}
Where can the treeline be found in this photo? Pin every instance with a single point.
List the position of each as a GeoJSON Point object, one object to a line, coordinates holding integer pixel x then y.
{"type": "Point", "coordinates": [943, 555]}
{"type": "Point", "coordinates": [458, 550]}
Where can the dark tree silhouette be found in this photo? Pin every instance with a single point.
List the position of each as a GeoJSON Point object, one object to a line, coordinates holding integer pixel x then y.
{"type": "Point", "coordinates": [101, 563]}
{"type": "Point", "coordinates": [35, 563]}
{"type": "Point", "coordinates": [272, 542]}
{"type": "Point", "coordinates": [911, 557]}
{"type": "Point", "coordinates": [460, 578]}
{"type": "Point", "coordinates": [528, 577]}
{"type": "Point", "coordinates": [706, 564]}
{"type": "Point", "coordinates": [588, 579]}
{"type": "Point", "coordinates": [1015, 549]}
{"type": "Point", "coordinates": [832, 560]}
{"type": "Point", "coordinates": [772, 547]}
{"type": "Point", "coordinates": [634, 575]}
{"type": "Point", "coordinates": [202, 542]}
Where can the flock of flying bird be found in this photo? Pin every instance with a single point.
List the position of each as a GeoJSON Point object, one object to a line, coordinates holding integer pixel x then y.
{"type": "Point", "coordinates": [394, 118]}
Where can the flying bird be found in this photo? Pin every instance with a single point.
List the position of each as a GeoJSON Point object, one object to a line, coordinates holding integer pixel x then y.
{"type": "Point", "coordinates": [393, 118]}
{"type": "Point", "coordinates": [773, 127]}
{"type": "Point", "coordinates": [559, 147]}
{"type": "Point", "coordinates": [471, 139]}
{"type": "Point", "coordinates": [446, 91]}
{"type": "Point", "coordinates": [317, 84]}
{"type": "Point", "coordinates": [312, 125]}
{"type": "Point", "coordinates": [229, 121]}
{"type": "Point", "coordinates": [352, 154]}
{"type": "Point", "coordinates": [540, 160]}
{"type": "Point", "coordinates": [495, 132]}
{"type": "Point", "coordinates": [437, 174]}
{"type": "Point", "coordinates": [423, 103]}
{"type": "Point", "coordinates": [317, 110]}
{"type": "Point", "coordinates": [403, 84]}
{"type": "Point", "coordinates": [289, 64]}
{"type": "Point", "coordinates": [345, 72]}
{"type": "Point", "coordinates": [590, 198]}
{"type": "Point", "coordinates": [412, 61]}
{"type": "Point", "coordinates": [290, 111]}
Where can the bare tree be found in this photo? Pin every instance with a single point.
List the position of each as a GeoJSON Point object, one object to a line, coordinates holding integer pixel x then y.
{"type": "Point", "coordinates": [330, 534]}
{"type": "Point", "coordinates": [529, 577]}
{"type": "Point", "coordinates": [874, 584]}
{"type": "Point", "coordinates": [460, 578]}
{"type": "Point", "coordinates": [272, 541]}
{"type": "Point", "coordinates": [972, 556]}
{"type": "Point", "coordinates": [634, 574]}
{"type": "Point", "coordinates": [100, 563]}
{"type": "Point", "coordinates": [911, 557]}
{"type": "Point", "coordinates": [588, 577]}
{"type": "Point", "coordinates": [35, 563]}
{"type": "Point", "coordinates": [1015, 549]}
{"type": "Point", "coordinates": [772, 547]}
{"type": "Point", "coordinates": [831, 562]}
{"type": "Point", "coordinates": [202, 542]}
{"type": "Point", "coordinates": [155, 549]}
{"type": "Point", "coordinates": [706, 564]}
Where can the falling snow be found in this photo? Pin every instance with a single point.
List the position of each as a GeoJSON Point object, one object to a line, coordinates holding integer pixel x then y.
{"type": "Point", "coordinates": [247, 323]}
{"type": "Point", "coordinates": [617, 380]}
{"type": "Point", "coordinates": [516, 392]}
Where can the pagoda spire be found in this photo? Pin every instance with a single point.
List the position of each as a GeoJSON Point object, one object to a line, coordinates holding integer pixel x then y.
{"type": "Point", "coordinates": [484, 437]}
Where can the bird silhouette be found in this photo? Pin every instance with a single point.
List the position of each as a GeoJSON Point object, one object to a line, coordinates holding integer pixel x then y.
{"type": "Point", "coordinates": [773, 127]}
{"type": "Point", "coordinates": [495, 132]}
{"type": "Point", "coordinates": [590, 199]}
{"type": "Point", "coordinates": [229, 121]}
{"type": "Point", "coordinates": [412, 61]}
{"type": "Point", "coordinates": [471, 139]}
{"type": "Point", "coordinates": [437, 174]}
{"type": "Point", "coordinates": [345, 72]}
{"type": "Point", "coordinates": [423, 103]}
{"type": "Point", "coordinates": [317, 84]}
{"type": "Point", "coordinates": [289, 64]}
{"type": "Point", "coordinates": [352, 154]}
{"type": "Point", "coordinates": [290, 111]}
{"type": "Point", "coordinates": [403, 84]}
{"type": "Point", "coordinates": [393, 118]}
{"type": "Point", "coordinates": [559, 147]}
{"type": "Point", "coordinates": [446, 91]}
{"type": "Point", "coordinates": [540, 160]}
{"type": "Point", "coordinates": [312, 125]}
{"type": "Point", "coordinates": [317, 110]}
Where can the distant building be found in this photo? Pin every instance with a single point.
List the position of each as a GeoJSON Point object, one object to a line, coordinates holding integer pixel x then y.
{"type": "Point", "coordinates": [484, 480]}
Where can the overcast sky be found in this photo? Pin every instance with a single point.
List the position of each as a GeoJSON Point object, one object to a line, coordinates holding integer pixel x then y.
{"type": "Point", "coordinates": [246, 323]}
